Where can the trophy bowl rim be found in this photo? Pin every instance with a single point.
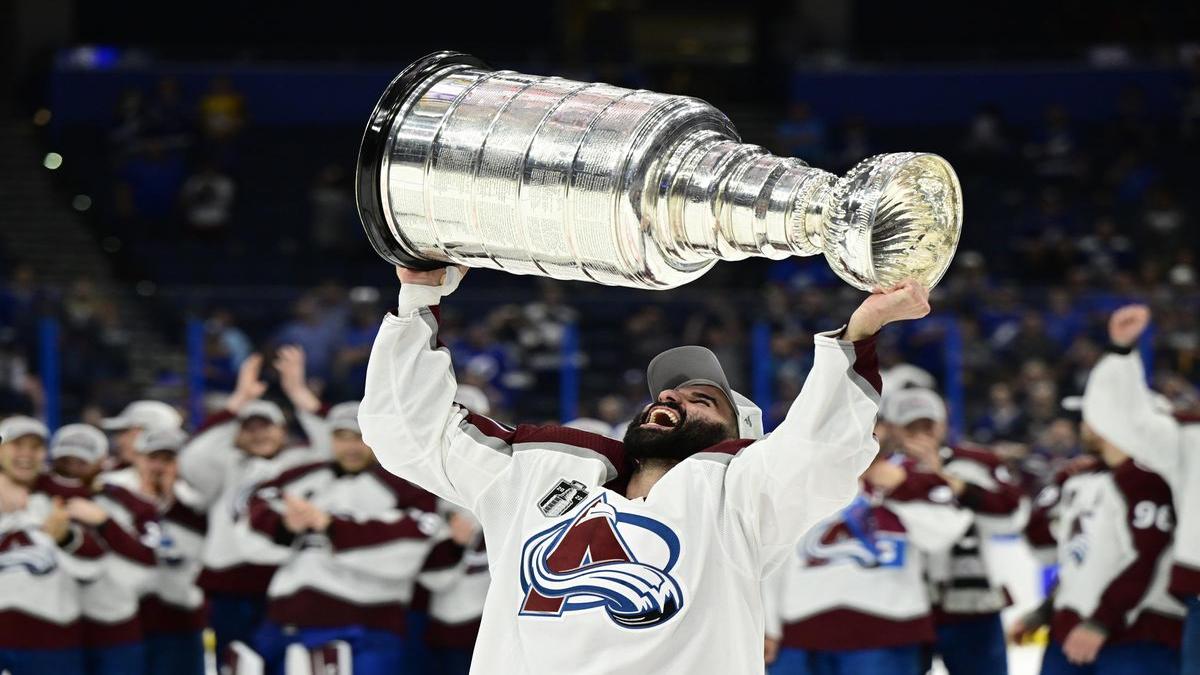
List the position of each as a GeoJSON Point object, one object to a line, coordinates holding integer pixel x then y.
{"type": "Point", "coordinates": [370, 155]}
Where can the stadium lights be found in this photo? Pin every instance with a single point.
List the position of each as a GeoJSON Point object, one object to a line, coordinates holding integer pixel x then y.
{"type": "Point", "coordinates": [53, 161]}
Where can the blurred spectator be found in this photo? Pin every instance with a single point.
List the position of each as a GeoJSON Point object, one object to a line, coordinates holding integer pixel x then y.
{"type": "Point", "coordinates": [855, 144]}
{"type": "Point", "coordinates": [207, 200]}
{"type": "Point", "coordinates": [167, 118]}
{"type": "Point", "coordinates": [1055, 152]}
{"type": "Point", "coordinates": [129, 125]}
{"type": "Point", "coordinates": [147, 186]}
{"type": "Point", "coordinates": [222, 111]}
{"type": "Point", "coordinates": [1105, 251]}
{"type": "Point", "coordinates": [986, 134]}
{"type": "Point", "coordinates": [803, 135]}
{"type": "Point", "coordinates": [350, 362]}
{"type": "Point", "coordinates": [333, 211]}
{"type": "Point", "coordinates": [314, 332]}
{"type": "Point", "coordinates": [1004, 420]}
{"type": "Point", "coordinates": [20, 390]}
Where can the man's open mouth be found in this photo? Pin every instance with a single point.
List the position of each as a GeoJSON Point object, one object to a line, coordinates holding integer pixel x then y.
{"type": "Point", "coordinates": [661, 417]}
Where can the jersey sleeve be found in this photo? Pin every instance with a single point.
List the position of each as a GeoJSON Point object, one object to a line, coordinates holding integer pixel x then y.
{"type": "Point", "coordinates": [204, 461]}
{"type": "Point", "coordinates": [926, 507]}
{"type": "Point", "coordinates": [1150, 519]}
{"type": "Point", "coordinates": [808, 468]}
{"type": "Point", "coordinates": [409, 418]}
{"type": "Point", "coordinates": [1118, 405]}
{"type": "Point", "coordinates": [772, 600]}
{"type": "Point", "coordinates": [318, 432]}
{"type": "Point", "coordinates": [999, 504]}
{"type": "Point", "coordinates": [1040, 530]}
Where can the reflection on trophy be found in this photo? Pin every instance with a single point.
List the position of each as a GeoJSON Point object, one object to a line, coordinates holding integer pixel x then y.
{"type": "Point", "coordinates": [462, 164]}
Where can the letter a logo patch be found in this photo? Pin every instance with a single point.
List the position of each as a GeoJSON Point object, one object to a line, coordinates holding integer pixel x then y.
{"type": "Point", "coordinates": [586, 563]}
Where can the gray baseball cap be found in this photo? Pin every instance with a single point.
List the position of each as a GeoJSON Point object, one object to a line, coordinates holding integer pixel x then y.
{"type": "Point", "coordinates": [693, 364]}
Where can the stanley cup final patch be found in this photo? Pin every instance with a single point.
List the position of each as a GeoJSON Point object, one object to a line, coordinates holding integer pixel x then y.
{"type": "Point", "coordinates": [562, 498]}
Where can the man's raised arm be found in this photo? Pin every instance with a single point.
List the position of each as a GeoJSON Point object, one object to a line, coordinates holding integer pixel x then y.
{"type": "Point", "coordinates": [409, 418]}
{"type": "Point", "coordinates": [808, 468]}
{"type": "Point", "coordinates": [1119, 405]}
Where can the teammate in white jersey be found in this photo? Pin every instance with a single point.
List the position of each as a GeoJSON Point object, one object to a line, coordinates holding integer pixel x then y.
{"type": "Point", "coordinates": [1119, 405]}
{"type": "Point", "coordinates": [642, 556]}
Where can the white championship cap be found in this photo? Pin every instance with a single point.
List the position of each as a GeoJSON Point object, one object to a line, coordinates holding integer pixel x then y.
{"type": "Point", "coordinates": [156, 440]}
{"type": "Point", "coordinates": [344, 417]}
{"type": "Point", "coordinates": [79, 440]}
{"type": "Point", "coordinates": [267, 410]}
{"type": "Point", "coordinates": [15, 427]}
{"type": "Point", "coordinates": [693, 364]}
{"type": "Point", "coordinates": [906, 406]}
{"type": "Point", "coordinates": [145, 415]}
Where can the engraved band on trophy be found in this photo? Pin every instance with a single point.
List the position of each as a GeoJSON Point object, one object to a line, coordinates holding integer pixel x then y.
{"type": "Point", "coordinates": [461, 164]}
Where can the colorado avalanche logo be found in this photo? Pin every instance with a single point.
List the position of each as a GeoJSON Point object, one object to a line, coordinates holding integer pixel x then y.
{"type": "Point", "coordinates": [851, 537]}
{"type": "Point", "coordinates": [587, 563]}
{"type": "Point", "coordinates": [18, 549]}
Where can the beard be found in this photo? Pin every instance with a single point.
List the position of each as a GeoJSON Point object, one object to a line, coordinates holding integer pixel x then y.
{"type": "Point", "coordinates": [675, 444]}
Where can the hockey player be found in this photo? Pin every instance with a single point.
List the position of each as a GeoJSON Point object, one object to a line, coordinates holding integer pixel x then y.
{"type": "Point", "coordinates": [168, 514]}
{"type": "Point", "coordinates": [1119, 406]}
{"type": "Point", "coordinates": [357, 536]}
{"type": "Point", "coordinates": [43, 555]}
{"type": "Point", "coordinates": [456, 576]}
{"type": "Point", "coordinates": [238, 448]}
{"type": "Point", "coordinates": [967, 604]}
{"type": "Point", "coordinates": [112, 633]}
{"type": "Point", "coordinates": [136, 418]}
{"type": "Point", "coordinates": [1112, 522]}
{"type": "Point", "coordinates": [659, 573]}
{"type": "Point", "coordinates": [854, 599]}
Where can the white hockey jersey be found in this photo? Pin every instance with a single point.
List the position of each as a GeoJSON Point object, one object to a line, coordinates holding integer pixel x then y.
{"type": "Point", "coordinates": [360, 571]}
{"type": "Point", "coordinates": [170, 600]}
{"type": "Point", "coordinates": [961, 582]}
{"type": "Point", "coordinates": [586, 581]}
{"type": "Point", "coordinates": [1118, 405]}
{"type": "Point", "coordinates": [236, 561]}
{"type": "Point", "coordinates": [857, 579]}
{"type": "Point", "coordinates": [1113, 530]}
{"type": "Point", "coordinates": [39, 593]}
{"type": "Point", "coordinates": [457, 580]}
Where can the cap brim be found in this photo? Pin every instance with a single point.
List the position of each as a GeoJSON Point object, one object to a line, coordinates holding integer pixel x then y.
{"type": "Point", "coordinates": [115, 423]}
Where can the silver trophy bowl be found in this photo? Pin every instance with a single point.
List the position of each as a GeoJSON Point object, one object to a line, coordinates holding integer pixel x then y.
{"type": "Point", "coordinates": [461, 164]}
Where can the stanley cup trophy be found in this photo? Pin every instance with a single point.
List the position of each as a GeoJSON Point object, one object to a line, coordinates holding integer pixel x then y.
{"type": "Point", "coordinates": [461, 164]}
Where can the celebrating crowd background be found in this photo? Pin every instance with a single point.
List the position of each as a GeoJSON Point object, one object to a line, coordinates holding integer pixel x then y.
{"type": "Point", "coordinates": [219, 229]}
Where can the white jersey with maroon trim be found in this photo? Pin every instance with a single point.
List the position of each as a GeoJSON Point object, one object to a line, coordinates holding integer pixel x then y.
{"type": "Point", "coordinates": [857, 580]}
{"type": "Point", "coordinates": [1113, 530]}
{"type": "Point", "coordinates": [39, 593]}
{"type": "Point", "coordinates": [110, 602]}
{"type": "Point", "coordinates": [362, 569]}
{"type": "Point", "coordinates": [960, 581]}
{"type": "Point", "coordinates": [1118, 405]}
{"type": "Point", "coordinates": [586, 581]}
{"type": "Point", "coordinates": [170, 599]}
{"type": "Point", "coordinates": [235, 561]}
{"type": "Point", "coordinates": [457, 580]}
